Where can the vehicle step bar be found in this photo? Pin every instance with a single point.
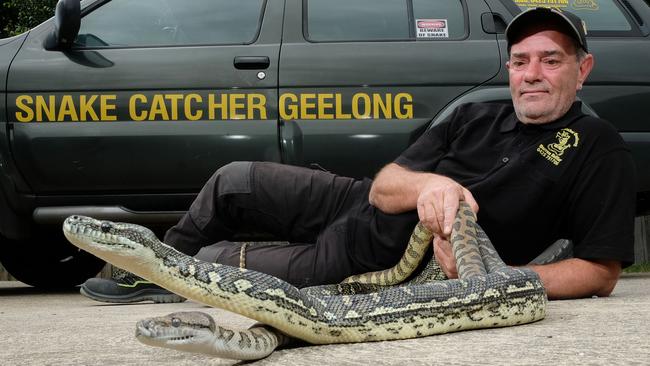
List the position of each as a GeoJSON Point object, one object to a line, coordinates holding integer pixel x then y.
{"type": "Point", "coordinates": [57, 214]}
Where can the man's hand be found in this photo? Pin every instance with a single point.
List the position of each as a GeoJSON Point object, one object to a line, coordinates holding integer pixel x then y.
{"type": "Point", "coordinates": [438, 202]}
{"type": "Point", "coordinates": [435, 197]}
{"type": "Point", "coordinates": [445, 256]}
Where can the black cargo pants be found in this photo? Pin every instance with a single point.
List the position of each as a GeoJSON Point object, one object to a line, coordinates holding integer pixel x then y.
{"type": "Point", "coordinates": [308, 208]}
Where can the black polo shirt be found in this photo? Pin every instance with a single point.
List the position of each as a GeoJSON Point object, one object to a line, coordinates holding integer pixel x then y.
{"type": "Point", "coordinates": [572, 178]}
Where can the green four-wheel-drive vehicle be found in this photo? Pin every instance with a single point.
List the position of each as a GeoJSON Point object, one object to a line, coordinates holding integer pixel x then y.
{"type": "Point", "coordinates": [121, 109]}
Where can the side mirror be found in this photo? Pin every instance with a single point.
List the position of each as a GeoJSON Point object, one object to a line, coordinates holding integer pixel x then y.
{"type": "Point", "coordinates": [67, 20]}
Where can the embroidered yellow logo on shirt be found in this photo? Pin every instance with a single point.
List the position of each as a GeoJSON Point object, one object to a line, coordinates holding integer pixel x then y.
{"type": "Point", "coordinates": [566, 138]}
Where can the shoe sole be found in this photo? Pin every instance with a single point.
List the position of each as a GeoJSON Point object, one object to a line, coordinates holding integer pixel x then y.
{"type": "Point", "coordinates": [157, 297]}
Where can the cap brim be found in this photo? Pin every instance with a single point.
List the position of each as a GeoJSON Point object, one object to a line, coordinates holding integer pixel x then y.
{"type": "Point", "coordinates": [537, 16]}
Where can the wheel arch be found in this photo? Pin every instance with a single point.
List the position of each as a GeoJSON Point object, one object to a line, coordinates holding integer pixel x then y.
{"type": "Point", "coordinates": [488, 95]}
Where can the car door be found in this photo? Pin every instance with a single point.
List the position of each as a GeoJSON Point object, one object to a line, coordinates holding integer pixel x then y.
{"type": "Point", "coordinates": [361, 79]}
{"type": "Point", "coordinates": [152, 99]}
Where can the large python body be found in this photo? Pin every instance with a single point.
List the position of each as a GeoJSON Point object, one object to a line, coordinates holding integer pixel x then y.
{"type": "Point", "coordinates": [487, 294]}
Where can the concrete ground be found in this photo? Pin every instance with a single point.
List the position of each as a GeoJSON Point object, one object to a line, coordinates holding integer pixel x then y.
{"type": "Point", "coordinates": [41, 328]}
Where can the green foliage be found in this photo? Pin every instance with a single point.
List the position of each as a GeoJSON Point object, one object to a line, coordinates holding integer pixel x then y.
{"type": "Point", "coordinates": [18, 16]}
{"type": "Point", "coordinates": [639, 267]}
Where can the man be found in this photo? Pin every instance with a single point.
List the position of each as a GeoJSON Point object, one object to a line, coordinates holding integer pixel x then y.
{"type": "Point", "coordinates": [557, 173]}
{"type": "Point", "coordinates": [539, 170]}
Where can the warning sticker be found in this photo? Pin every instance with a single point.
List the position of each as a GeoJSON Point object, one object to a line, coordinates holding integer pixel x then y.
{"type": "Point", "coordinates": [431, 28]}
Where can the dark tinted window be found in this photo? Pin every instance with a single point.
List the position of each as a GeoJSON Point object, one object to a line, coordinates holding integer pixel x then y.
{"type": "Point", "coordinates": [171, 22]}
{"type": "Point", "coordinates": [598, 15]}
{"type": "Point", "coordinates": [348, 20]}
{"type": "Point", "coordinates": [448, 15]}
{"type": "Point", "coordinates": [374, 20]}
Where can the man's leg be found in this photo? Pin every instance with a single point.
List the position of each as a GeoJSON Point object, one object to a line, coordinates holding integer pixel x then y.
{"type": "Point", "coordinates": [291, 203]}
{"type": "Point", "coordinates": [301, 265]}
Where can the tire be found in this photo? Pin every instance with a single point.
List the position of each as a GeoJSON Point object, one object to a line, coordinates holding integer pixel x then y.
{"type": "Point", "coordinates": [48, 261]}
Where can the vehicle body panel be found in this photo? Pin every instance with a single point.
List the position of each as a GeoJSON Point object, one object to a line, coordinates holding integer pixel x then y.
{"type": "Point", "coordinates": [414, 79]}
{"type": "Point", "coordinates": [348, 107]}
{"type": "Point", "coordinates": [167, 154]}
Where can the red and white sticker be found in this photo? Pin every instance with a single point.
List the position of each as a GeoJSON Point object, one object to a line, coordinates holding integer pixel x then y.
{"type": "Point", "coordinates": [431, 28]}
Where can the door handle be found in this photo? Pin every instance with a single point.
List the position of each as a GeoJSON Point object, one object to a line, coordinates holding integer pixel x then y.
{"type": "Point", "coordinates": [493, 23]}
{"type": "Point", "coordinates": [252, 62]}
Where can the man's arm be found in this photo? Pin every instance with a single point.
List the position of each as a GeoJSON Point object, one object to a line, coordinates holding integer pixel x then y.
{"type": "Point", "coordinates": [397, 189]}
{"type": "Point", "coordinates": [567, 279]}
{"type": "Point", "coordinates": [576, 278]}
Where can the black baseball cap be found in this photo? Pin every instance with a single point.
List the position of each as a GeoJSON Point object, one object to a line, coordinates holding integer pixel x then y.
{"type": "Point", "coordinates": [574, 26]}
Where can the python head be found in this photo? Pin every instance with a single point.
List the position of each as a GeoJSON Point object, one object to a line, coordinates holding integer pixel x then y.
{"type": "Point", "coordinates": [190, 331]}
{"type": "Point", "coordinates": [111, 241]}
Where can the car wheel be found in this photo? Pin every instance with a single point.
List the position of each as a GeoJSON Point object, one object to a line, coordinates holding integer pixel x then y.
{"type": "Point", "coordinates": [48, 261]}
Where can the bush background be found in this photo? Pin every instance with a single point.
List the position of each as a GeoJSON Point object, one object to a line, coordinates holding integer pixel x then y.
{"type": "Point", "coordinates": [18, 16]}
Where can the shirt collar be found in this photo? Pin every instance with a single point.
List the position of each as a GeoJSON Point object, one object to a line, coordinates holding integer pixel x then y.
{"type": "Point", "coordinates": [571, 115]}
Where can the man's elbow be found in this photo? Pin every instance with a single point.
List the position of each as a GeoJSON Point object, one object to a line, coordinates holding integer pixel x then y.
{"type": "Point", "coordinates": [607, 288]}
{"type": "Point", "coordinates": [379, 200]}
{"type": "Point", "coordinates": [609, 278]}
{"type": "Point", "coordinates": [372, 196]}
{"type": "Point", "coordinates": [377, 196]}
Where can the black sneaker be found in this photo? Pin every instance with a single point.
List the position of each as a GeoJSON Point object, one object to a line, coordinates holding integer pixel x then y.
{"type": "Point", "coordinates": [125, 287]}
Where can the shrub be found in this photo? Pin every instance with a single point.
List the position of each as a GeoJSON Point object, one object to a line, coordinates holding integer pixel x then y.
{"type": "Point", "coordinates": [18, 16]}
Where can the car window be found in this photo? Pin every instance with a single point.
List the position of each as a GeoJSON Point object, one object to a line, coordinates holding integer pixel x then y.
{"type": "Point", "coordinates": [124, 23]}
{"type": "Point", "coordinates": [345, 20]}
{"type": "Point", "coordinates": [376, 20]}
{"type": "Point", "coordinates": [598, 15]}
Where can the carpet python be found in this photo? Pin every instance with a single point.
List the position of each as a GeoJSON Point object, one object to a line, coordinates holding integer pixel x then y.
{"type": "Point", "coordinates": [370, 307]}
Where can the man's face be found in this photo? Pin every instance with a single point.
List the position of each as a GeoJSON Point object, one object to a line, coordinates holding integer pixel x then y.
{"type": "Point", "coordinates": [545, 75]}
